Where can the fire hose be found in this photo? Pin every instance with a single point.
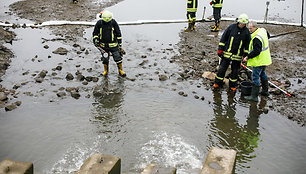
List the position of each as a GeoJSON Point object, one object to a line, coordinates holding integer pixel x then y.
{"type": "Point", "coordinates": [268, 81]}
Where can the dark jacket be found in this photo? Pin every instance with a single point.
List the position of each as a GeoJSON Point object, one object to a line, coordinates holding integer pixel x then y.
{"type": "Point", "coordinates": [235, 42]}
{"type": "Point", "coordinates": [192, 5]}
{"type": "Point", "coordinates": [108, 33]}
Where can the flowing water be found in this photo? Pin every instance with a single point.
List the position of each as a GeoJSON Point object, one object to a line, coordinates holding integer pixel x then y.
{"type": "Point", "coordinates": [141, 120]}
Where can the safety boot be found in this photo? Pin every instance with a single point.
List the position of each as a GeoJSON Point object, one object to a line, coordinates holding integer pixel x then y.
{"type": "Point", "coordinates": [121, 72]}
{"type": "Point", "coordinates": [190, 27]}
{"type": "Point", "coordinates": [105, 70]}
{"type": "Point", "coordinates": [265, 88]}
{"type": "Point", "coordinates": [216, 28]}
{"type": "Point", "coordinates": [254, 94]}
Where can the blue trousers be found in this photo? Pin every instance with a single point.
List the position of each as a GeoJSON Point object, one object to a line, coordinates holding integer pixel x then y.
{"type": "Point", "coordinates": [259, 72]}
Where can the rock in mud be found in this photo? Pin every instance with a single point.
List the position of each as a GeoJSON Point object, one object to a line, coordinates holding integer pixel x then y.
{"type": "Point", "coordinates": [59, 68]}
{"type": "Point", "coordinates": [39, 79]}
{"type": "Point", "coordinates": [43, 73]}
{"type": "Point", "coordinates": [10, 107]}
{"type": "Point", "coordinates": [71, 89]}
{"type": "Point", "coordinates": [3, 97]}
{"type": "Point", "coordinates": [88, 78]}
{"type": "Point", "coordinates": [75, 95]}
{"type": "Point", "coordinates": [69, 77]}
{"type": "Point", "coordinates": [80, 77]}
{"type": "Point", "coordinates": [162, 77]}
{"type": "Point", "coordinates": [95, 79]}
{"type": "Point", "coordinates": [61, 94]}
{"type": "Point", "coordinates": [60, 51]}
{"type": "Point", "coordinates": [18, 103]}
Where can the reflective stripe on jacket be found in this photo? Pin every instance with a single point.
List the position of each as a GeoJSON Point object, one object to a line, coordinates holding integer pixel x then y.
{"type": "Point", "coordinates": [192, 5]}
{"type": "Point", "coordinates": [264, 58]}
{"type": "Point", "coordinates": [235, 42]}
{"type": "Point", "coordinates": [217, 3]}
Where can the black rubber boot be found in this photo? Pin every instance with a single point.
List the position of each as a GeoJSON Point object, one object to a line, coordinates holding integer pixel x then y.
{"type": "Point", "coordinates": [265, 88]}
{"type": "Point", "coordinates": [254, 94]}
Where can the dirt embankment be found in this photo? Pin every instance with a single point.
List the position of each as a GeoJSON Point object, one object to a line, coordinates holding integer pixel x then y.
{"type": "Point", "coordinates": [197, 49]}
{"type": "Point", "coordinates": [5, 54]}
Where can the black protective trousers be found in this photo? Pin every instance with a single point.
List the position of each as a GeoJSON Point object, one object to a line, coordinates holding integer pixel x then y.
{"type": "Point", "coordinates": [115, 53]}
{"type": "Point", "coordinates": [217, 14]}
{"type": "Point", "coordinates": [235, 67]}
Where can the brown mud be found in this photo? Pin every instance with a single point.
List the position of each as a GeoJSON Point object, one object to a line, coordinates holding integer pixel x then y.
{"type": "Point", "coordinates": [197, 49]}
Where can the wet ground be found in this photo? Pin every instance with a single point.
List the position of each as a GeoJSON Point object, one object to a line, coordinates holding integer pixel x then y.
{"type": "Point", "coordinates": [163, 111]}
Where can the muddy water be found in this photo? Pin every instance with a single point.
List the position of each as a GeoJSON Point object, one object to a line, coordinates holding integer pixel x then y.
{"type": "Point", "coordinates": [141, 120]}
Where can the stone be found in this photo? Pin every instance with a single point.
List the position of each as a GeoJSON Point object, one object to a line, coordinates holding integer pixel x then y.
{"type": "Point", "coordinates": [60, 51]}
{"type": "Point", "coordinates": [18, 103]}
{"type": "Point", "coordinates": [69, 77]}
{"type": "Point", "coordinates": [10, 107]}
{"type": "Point", "coordinates": [162, 77]}
{"type": "Point", "coordinates": [59, 68]}
{"type": "Point", "coordinates": [219, 161]}
{"type": "Point", "coordinates": [43, 73]}
{"type": "Point", "coordinates": [101, 163]}
{"type": "Point", "coordinates": [3, 97]}
{"type": "Point", "coordinates": [61, 94]}
{"type": "Point", "coordinates": [9, 166]}
{"type": "Point", "coordinates": [75, 95]}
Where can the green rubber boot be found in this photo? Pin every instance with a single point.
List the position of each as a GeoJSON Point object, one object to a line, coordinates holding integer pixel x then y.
{"type": "Point", "coordinates": [254, 94]}
{"type": "Point", "coordinates": [265, 88]}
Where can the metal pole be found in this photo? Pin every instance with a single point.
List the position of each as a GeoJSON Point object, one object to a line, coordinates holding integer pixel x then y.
{"type": "Point", "coordinates": [302, 15]}
{"type": "Point", "coordinates": [266, 15]}
{"type": "Point", "coordinates": [203, 13]}
{"type": "Point", "coordinates": [268, 81]}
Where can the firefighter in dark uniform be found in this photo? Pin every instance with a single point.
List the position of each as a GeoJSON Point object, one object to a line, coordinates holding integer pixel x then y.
{"type": "Point", "coordinates": [107, 35]}
{"type": "Point", "coordinates": [233, 46]}
{"type": "Point", "coordinates": [217, 6]}
{"type": "Point", "coordinates": [192, 6]}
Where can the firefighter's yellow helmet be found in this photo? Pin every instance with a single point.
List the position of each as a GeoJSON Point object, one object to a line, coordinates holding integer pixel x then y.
{"type": "Point", "coordinates": [243, 18]}
{"type": "Point", "coordinates": [107, 16]}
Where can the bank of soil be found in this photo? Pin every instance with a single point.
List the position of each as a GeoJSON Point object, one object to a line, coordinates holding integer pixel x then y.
{"type": "Point", "coordinates": [197, 49]}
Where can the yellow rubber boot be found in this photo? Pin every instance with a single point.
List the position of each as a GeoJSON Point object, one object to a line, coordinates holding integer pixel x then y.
{"type": "Point", "coordinates": [216, 28]}
{"type": "Point", "coordinates": [192, 26]}
{"type": "Point", "coordinates": [105, 70]}
{"type": "Point", "coordinates": [121, 72]}
{"type": "Point", "coordinates": [189, 27]}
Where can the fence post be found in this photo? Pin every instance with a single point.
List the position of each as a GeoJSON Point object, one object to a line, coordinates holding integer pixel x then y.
{"type": "Point", "coordinates": [302, 15]}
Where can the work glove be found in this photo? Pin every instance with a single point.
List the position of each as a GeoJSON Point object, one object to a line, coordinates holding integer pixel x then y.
{"type": "Point", "coordinates": [210, 3]}
{"type": "Point", "coordinates": [96, 42]}
{"type": "Point", "coordinates": [220, 53]}
{"type": "Point", "coordinates": [121, 51]}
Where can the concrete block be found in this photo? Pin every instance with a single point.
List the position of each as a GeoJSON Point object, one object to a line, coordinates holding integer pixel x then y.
{"type": "Point", "coordinates": [154, 169]}
{"type": "Point", "coordinates": [219, 161]}
{"type": "Point", "coordinates": [14, 167]}
{"type": "Point", "coordinates": [101, 164]}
